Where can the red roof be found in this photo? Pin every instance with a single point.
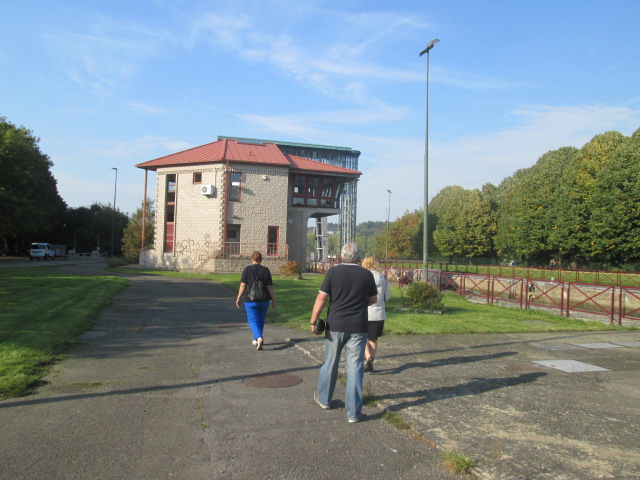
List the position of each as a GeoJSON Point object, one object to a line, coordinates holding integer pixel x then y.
{"type": "Point", "coordinates": [243, 152]}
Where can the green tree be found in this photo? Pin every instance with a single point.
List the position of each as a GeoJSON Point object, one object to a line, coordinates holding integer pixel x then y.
{"type": "Point", "coordinates": [89, 228]}
{"type": "Point", "coordinates": [333, 244]}
{"type": "Point", "coordinates": [366, 237]}
{"type": "Point", "coordinates": [405, 237]}
{"type": "Point", "coordinates": [132, 238]}
{"type": "Point", "coordinates": [505, 195]}
{"type": "Point", "coordinates": [571, 234]}
{"type": "Point", "coordinates": [30, 206]}
{"type": "Point", "coordinates": [615, 207]}
{"type": "Point", "coordinates": [311, 245]}
{"type": "Point", "coordinates": [465, 223]}
{"type": "Point", "coordinates": [529, 215]}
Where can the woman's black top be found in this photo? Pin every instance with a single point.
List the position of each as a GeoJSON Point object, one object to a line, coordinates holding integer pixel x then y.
{"type": "Point", "coordinates": [249, 275]}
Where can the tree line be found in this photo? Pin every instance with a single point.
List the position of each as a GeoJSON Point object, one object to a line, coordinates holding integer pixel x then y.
{"type": "Point", "coordinates": [575, 206]}
{"type": "Point", "coordinates": [32, 210]}
{"type": "Point", "coordinates": [578, 207]}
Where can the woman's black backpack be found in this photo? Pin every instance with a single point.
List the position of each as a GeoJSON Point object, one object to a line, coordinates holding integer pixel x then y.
{"type": "Point", "coordinates": [256, 292]}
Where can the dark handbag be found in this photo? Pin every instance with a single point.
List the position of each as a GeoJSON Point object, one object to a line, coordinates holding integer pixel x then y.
{"type": "Point", "coordinates": [319, 327]}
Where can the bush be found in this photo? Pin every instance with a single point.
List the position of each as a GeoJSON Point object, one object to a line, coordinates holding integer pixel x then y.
{"type": "Point", "coordinates": [423, 296]}
{"type": "Point", "coordinates": [291, 269]}
{"type": "Point", "coordinates": [114, 262]}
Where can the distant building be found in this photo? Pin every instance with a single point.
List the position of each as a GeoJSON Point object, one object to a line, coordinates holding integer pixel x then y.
{"type": "Point", "coordinates": [217, 203]}
{"type": "Point", "coordinates": [339, 156]}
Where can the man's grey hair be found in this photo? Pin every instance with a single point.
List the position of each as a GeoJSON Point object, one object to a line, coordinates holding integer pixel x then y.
{"type": "Point", "coordinates": [350, 252]}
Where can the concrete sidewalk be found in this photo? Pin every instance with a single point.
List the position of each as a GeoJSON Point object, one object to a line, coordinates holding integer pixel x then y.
{"type": "Point", "coordinates": [168, 385]}
{"type": "Point", "coordinates": [523, 406]}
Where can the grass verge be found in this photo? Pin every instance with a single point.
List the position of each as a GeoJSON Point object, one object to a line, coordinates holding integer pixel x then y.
{"type": "Point", "coordinates": [42, 311]}
{"type": "Point", "coordinates": [295, 300]}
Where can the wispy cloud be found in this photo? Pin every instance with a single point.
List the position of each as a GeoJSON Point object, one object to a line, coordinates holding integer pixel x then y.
{"type": "Point", "coordinates": [282, 124]}
{"type": "Point", "coordinates": [471, 161]}
{"type": "Point", "coordinates": [337, 68]}
{"type": "Point", "coordinates": [473, 81]}
{"type": "Point", "coordinates": [105, 53]}
{"type": "Point", "coordinates": [142, 107]}
{"type": "Point", "coordinates": [143, 148]}
{"type": "Point", "coordinates": [313, 126]}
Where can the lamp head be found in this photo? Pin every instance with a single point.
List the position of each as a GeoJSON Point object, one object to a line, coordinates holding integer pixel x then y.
{"type": "Point", "coordinates": [429, 46]}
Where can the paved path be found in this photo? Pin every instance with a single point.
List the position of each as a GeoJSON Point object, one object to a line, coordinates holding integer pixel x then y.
{"type": "Point", "coordinates": [168, 385]}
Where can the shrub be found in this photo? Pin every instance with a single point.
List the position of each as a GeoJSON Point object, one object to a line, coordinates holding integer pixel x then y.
{"type": "Point", "coordinates": [423, 296]}
{"type": "Point", "coordinates": [291, 269]}
{"type": "Point", "coordinates": [114, 262]}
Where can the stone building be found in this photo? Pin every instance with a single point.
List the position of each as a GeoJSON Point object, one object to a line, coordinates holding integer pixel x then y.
{"type": "Point", "coordinates": [217, 203]}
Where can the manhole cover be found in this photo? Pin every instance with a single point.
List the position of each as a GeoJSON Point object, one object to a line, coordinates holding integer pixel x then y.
{"type": "Point", "coordinates": [280, 380]}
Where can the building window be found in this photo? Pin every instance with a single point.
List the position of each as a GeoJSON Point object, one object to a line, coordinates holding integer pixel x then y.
{"type": "Point", "coordinates": [170, 212]}
{"type": "Point", "coordinates": [197, 177]}
{"type": "Point", "coordinates": [313, 191]}
{"type": "Point", "coordinates": [235, 192]}
{"type": "Point", "coordinates": [298, 190]}
{"type": "Point", "coordinates": [327, 196]}
{"type": "Point", "coordinates": [232, 242]}
{"type": "Point", "coordinates": [273, 236]}
{"type": "Point", "coordinates": [313, 185]}
{"type": "Point", "coordinates": [171, 188]}
{"type": "Point", "coordinates": [298, 185]}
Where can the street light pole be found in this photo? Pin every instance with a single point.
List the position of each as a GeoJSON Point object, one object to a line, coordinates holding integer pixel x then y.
{"type": "Point", "coordinates": [425, 243]}
{"type": "Point", "coordinates": [386, 251]}
{"type": "Point", "coordinates": [113, 220]}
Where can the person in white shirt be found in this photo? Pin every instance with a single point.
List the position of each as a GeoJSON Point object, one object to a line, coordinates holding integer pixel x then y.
{"type": "Point", "coordinates": [377, 312]}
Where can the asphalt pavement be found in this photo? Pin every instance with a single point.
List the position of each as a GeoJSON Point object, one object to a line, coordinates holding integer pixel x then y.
{"type": "Point", "coordinates": [168, 386]}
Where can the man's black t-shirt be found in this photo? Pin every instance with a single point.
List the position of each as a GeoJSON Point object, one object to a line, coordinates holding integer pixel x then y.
{"type": "Point", "coordinates": [349, 287]}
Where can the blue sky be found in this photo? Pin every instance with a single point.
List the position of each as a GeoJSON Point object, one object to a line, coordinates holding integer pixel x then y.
{"type": "Point", "coordinates": [114, 83]}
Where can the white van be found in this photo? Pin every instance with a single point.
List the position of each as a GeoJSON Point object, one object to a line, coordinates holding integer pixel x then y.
{"type": "Point", "coordinates": [41, 250]}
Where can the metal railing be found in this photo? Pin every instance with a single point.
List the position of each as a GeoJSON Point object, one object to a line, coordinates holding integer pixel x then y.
{"type": "Point", "coordinates": [245, 250]}
{"type": "Point", "coordinates": [605, 277]}
{"type": "Point", "coordinates": [586, 300]}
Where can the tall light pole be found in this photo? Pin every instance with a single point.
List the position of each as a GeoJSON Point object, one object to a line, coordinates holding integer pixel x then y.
{"type": "Point", "coordinates": [113, 220]}
{"type": "Point", "coordinates": [386, 251]}
{"type": "Point", "coordinates": [425, 243]}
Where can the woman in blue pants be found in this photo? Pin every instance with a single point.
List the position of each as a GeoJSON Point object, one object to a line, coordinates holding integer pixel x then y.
{"type": "Point", "coordinates": [256, 300]}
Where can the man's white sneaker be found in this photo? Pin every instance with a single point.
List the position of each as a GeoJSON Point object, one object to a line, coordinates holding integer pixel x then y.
{"type": "Point", "coordinates": [323, 406]}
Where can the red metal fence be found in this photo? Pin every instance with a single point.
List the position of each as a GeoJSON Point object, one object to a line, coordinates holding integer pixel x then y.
{"type": "Point", "coordinates": [591, 299]}
{"type": "Point", "coordinates": [545, 295]}
{"type": "Point", "coordinates": [585, 300]}
{"type": "Point", "coordinates": [608, 277]}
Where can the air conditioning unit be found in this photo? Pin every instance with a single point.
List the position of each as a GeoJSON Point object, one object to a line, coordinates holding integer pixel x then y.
{"type": "Point", "coordinates": [208, 190]}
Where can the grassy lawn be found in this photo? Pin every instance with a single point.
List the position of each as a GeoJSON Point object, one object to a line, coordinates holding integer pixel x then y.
{"type": "Point", "coordinates": [295, 300]}
{"type": "Point", "coordinates": [42, 311]}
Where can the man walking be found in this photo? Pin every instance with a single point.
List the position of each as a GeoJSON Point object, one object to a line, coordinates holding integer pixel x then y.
{"type": "Point", "coordinates": [350, 289]}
